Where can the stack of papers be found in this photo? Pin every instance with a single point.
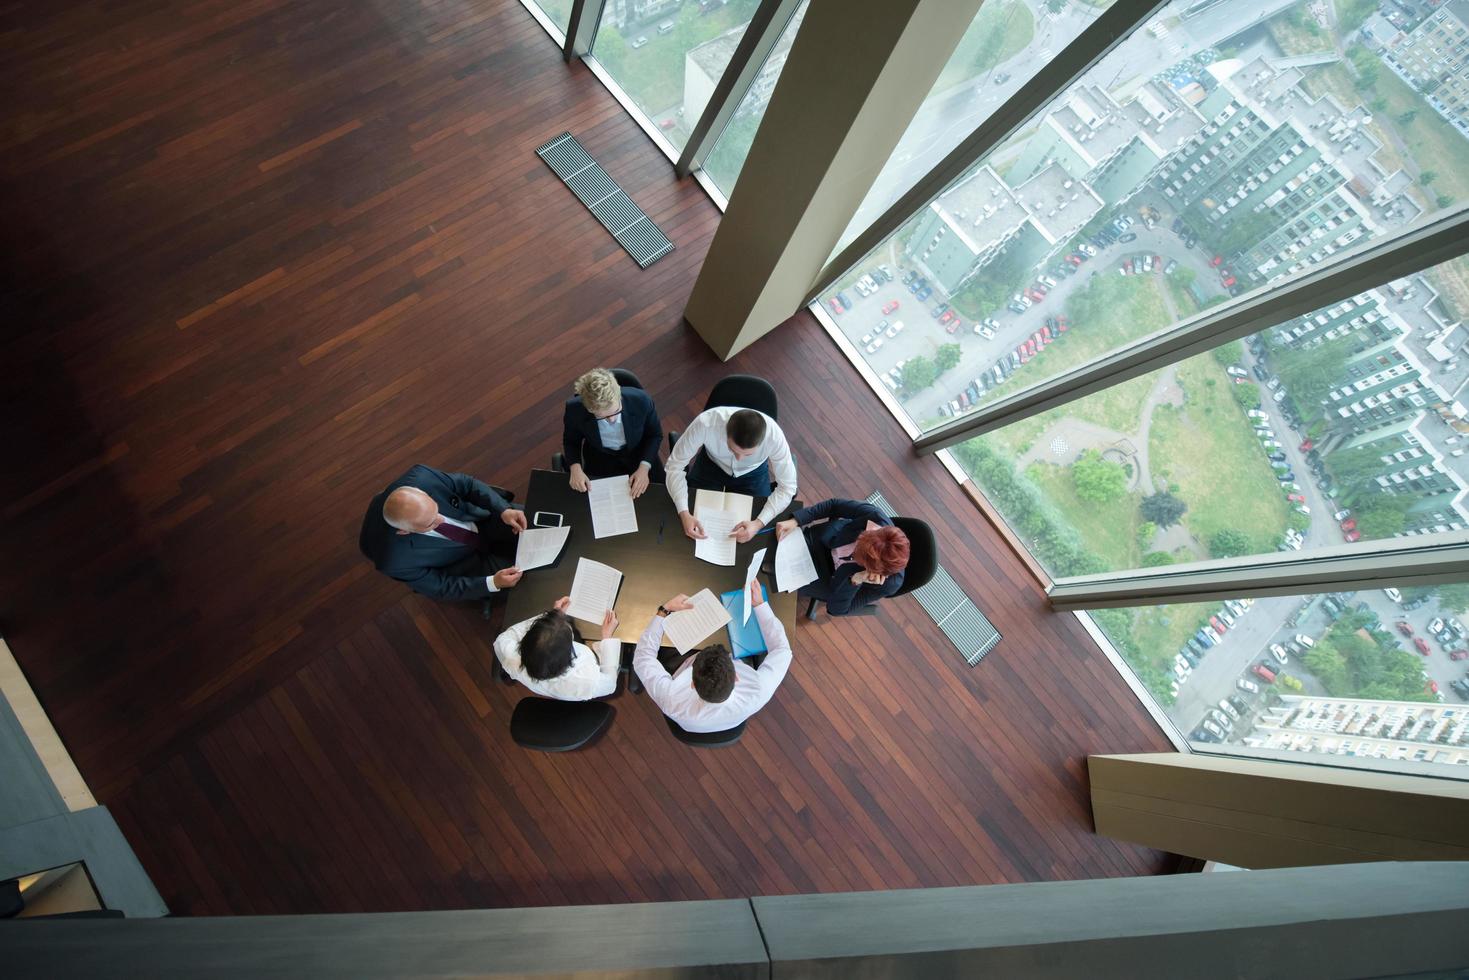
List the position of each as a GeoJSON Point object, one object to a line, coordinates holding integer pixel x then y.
{"type": "Point", "coordinates": [537, 547]}
{"type": "Point", "coordinates": [717, 547]}
{"type": "Point", "coordinates": [740, 504]}
{"type": "Point", "coordinates": [793, 565]}
{"type": "Point", "coordinates": [688, 628]}
{"type": "Point", "coordinates": [612, 507]}
{"type": "Point", "coordinates": [593, 590]}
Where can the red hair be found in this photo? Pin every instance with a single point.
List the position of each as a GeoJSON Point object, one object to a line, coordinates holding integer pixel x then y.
{"type": "Point", "coordinates": [883, 550]}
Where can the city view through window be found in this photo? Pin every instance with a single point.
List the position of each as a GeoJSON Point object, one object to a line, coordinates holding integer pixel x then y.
{"type": "Point", "coordinates": [1211, 153]}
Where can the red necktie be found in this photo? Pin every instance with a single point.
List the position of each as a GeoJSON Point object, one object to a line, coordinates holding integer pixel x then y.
{"type": "Point", "coordinates": [460, 534]}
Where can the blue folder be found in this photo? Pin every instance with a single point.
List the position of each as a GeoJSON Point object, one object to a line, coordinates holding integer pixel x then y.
{"type": "Point", "coordinates": [745, 639]}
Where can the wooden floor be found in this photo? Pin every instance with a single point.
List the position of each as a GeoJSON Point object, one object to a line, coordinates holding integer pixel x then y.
{"type": "Point", "coordinates": [260, 256]}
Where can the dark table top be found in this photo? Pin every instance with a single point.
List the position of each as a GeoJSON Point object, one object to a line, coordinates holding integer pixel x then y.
{"type": "Point", "coordinates": [654, 566]}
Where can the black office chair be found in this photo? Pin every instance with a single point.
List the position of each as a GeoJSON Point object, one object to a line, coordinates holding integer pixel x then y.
{"type": "Point", "coordinates": [706, 740]}
{"type": "Point", "coordinates": [626, 379]}
{"type": "Point", "coordinates": [923, 562]}
{"type": "Point", "coordinates": [558, 726]}
{"type": "Point", "coordinates": [11, 901]}
{"type": "Point", "coordinates": [740, 391]}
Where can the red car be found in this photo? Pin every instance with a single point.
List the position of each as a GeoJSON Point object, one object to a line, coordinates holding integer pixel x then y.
{"type": "Point", "coordinates": [1353, 536]}
{"type": "Point", "coordinates": [1218, 625]}
{"type": "Point", "coordinates": [1225, 278]}
{"type": "Point", "coordinates": [1031, 347]}
{"type": "Point", "coordinates": [1264, 673]}
{"type": "Point", "coordinates": [666, 124]}
{"type": "Point", "coordinates": [1404, 627]}
{"type": "Point", "coordinates": [835, 305]}
{"type": "Point", "coordinates": [1217, 261]}
{"type": "Point", "coordinates": [1307, 446]}
{"type": "Point", "coordinates": [1035, 295]}
{"type": "Point", "coordinates": [889, 307]}
{"type": "Point", "coordinates": [1458, 654]}
{"type": "Point", "coordinates": [1127, 268]}
{"type": "Point", "coordinates": [948, 316]}
{"type": "Point", "coordinates": [1062, 324]}
{"type": "Point", "coordinates": [1157, 263]}
{"type": "Point", "coordinates": [954, 325]}
{"type": "Point", "coordinates": [1047, 334]}
{"type": "Point", "coordinates": [1421, 644]}
{"type": "Point", "coordinates": [1022, 353]}
{"type": "Point", "coordinates": [1074, 259]}
{"type": "Point", "coordinates": [1296, 498]}
{"type": "Point", "coordinates": [1350, 524]}
{"type": "Point", "coordinates": [1433, 687]}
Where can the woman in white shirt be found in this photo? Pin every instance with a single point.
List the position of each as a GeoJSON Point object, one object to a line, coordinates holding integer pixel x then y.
{"type": "Point", "coordinates": [546, 654]}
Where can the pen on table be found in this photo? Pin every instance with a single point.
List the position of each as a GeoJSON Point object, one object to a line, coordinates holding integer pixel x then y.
{"type": "Point", "coordinates": [765, 530]}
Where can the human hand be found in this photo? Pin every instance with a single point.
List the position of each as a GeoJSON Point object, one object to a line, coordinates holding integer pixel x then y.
{"type": "Point", "coordinates": [609, 625]}
{"type": "Point", "coordinates": [691, 526]}
{"type": "Point", "coordinates": [514, 518]}
{"type": "Point", "coordinates": [578, 478]}
{"type": "Point", "coordinates": [745, 530]}
{"type": "Point", "coordinates": [678, 602]}
{"type": "Point", "coordinates": [506, 577]}
{"type": "Point", "coordinates": [865, 577]}
{"type": "Point", "coordinates": [562, 603]}
{"type": "Point", "coordinates": [757, 596]}
{"type": "Point", "coordinates": [638, 482]}
{"type": "Point", "coordinates": [782, 528]}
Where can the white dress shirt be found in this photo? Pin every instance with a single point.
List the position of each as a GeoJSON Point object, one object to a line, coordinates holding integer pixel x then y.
{"type": "Point", "coordinates": [676, 696]}
{"type": "Point", "coordinates": [612, 433]}
{"type": "Point", "coordinates": [468, 526]}
{"type": "Point", "coordinates": [591, 675]}
{"type": "Point", "coordinates": [707, 432]}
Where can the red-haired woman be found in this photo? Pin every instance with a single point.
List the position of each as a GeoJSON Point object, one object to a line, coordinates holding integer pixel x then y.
{"type": "Point", "coordinates": [858, 553]}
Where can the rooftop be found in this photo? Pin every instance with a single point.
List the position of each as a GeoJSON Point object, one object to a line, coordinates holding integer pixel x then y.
{"type": "Point", "coordinates": [982, 209]}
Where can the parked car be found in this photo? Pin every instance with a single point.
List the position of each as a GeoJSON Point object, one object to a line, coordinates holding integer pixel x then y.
{"type": "Point", "coordinates": [889, 307]}
{"type": "Point", "coordinates": [1248, 686]}
{"type": "Point", "coordinates": [1421, 644]}
{"type": "Point", "coordinates": [1129, 237]}
{"type": "Point", "coordinates": [939, 310]}
{"type": "Point", "coordinates": [876, 345]}
{"type": "Point", "coordinates": [835, 306]}
{"type": "Point", "coordinates": [1212, 729]}
{"type": "Point", "coordinates": [1404, 627]}
{"type": "Point", "coordinates": [1219, 627]}
{"type": "Point", "coordinates": [1458, 654]}
{"type": "Point", "coordinates": [895, 328]}
{"type": "Point", "coordinates": [1278, 652]}
{"type": "Point", "coordinates": [1264, 673]}
{"type": "Point", "coordinates": [984, 331]}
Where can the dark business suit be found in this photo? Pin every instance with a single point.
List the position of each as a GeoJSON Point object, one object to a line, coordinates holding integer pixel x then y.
{"type": "Point", "coordinates": [434, 566]}
{"type": "Point", "coordinates": [581, 441]}
{"type": "Point", "coordinates": [847, 519]}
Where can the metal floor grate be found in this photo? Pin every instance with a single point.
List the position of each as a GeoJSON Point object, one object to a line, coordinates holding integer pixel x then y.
{"type": "Point", "coordinates": [972, 634]}
{"type": "Point", "coordinates": [608, 203]}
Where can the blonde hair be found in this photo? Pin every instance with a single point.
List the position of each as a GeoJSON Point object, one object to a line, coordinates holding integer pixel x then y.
{"type": "Point", "coordinates": [598, 390]}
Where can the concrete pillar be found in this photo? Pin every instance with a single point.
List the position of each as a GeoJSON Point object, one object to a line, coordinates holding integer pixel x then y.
{"type": "Point", "coordinates": [857, 73]}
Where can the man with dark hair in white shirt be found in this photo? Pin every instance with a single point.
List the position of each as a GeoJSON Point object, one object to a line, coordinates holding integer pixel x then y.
{"type": "Point", "coordinates": [710, 691]}
{"type": "Point", "coordinates": [737, 449]}
{"type": "Point", "coordinates": [546, 655]}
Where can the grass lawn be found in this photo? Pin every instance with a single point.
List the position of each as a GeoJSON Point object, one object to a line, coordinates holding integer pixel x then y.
{"type": "Point", "coordinates": [654, 74]}
{"type": "Point", "coordinates": [1293, 33]}
{"type": "Point", "coordinates": [1160, 631]}
{"type": "Point", "coordinates": [1210, 451]}
{"type": "Point", "coordinates": [1000, 30]}
{"type": "Point", "coordinates": [1109, 530]}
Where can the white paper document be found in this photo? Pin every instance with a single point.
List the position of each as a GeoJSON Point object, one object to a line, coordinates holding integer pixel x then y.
{"type": "Point", "coordinates": [717, 548]}
{"type": "Point", "coordinates": [793, 565]}
{"type": "Point", "coordinates": [593, 590]}
{"type": "Point", "coordinates": [750, 573]}
{"type": "Point", "coordinates": [688, 628]}
{"type": "Point", "coordinates": [612, 507]}
{"type": "Point", "coordinates": [742, 505]}
{"type": "Point", "coordinates": [539, 546]}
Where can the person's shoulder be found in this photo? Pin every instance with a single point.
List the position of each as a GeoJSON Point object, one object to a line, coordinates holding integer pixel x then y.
{"type": "Point", "coordinates": [636, 396]}
{"type": "Point", "coordinates": [418, 474]}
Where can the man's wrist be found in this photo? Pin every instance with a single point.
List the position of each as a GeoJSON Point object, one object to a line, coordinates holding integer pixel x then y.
{"type": "Point", "coordinates": [645, 465]}
{"type": "Point", "coordinates": [662, 611]}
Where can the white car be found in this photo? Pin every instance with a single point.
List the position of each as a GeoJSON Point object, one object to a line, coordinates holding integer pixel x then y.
{"type": "Point", "coordinates": [1303, 509]}
{"type": "Point", "coordinates": [1236, 372]}
{"type": "Point", "coordinates": [984, 331]}
{"type": "Point", "coordinates": [1305, 640]}
{"type": "Point", "coordinates": [866, 339]}
{"type": "Point", "coordinates": [1228, 709]}
{"type": "Point", "coordinates": [1249, 687]}
{"type": "Point", "coordinates": [1278, 652]}
{"type": "Point", "coordinates": [895, 329]}
{"type": "Point", "coordinates": [1279, 396]}
{"type": "Point", "coordinates": [1255, 413]}
{"type": "Point", "coordinates": [1088, 250]}
{"type": "Point", "coordinates": [1212, 728]}
{"type": "Point", "coordinates": [1393, 594]}
{"type": "Point", "coordinates": [1341, 515]}
{"type": "Point", "coordinates": [876, 344]}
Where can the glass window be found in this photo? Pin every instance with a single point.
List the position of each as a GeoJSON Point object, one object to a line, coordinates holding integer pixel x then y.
{"type": "Point", "coordinates": [1350, 677]}
{"type": "Point", "coordinates": [728, 155]}
{"type": "Point", "coordinates": [1340, 426]}
{"type": "Point", "coordinates": [559, 12]}
{"type": "Point", "coordinates": [1193, 163]}
{"type": "Point", "coordinates": [668, 55]}
{"type": "Point", "coordinates": [1007, 44]}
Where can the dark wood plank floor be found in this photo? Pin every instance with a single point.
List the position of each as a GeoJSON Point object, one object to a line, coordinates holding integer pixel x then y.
{"type": "Point", "coordinates": [259, 257]}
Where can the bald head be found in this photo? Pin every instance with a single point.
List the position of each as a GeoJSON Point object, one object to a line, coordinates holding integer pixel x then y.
{"type": "Point", "coordinates": [409, 509]}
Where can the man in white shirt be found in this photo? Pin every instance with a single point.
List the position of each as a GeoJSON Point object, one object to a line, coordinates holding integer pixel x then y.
{"type": "Point", "coordinates": [737, 449]}
{"type": "Point", "coordinates": [711, 691]}
{"type": "Point", "coordinates": [545, 654]}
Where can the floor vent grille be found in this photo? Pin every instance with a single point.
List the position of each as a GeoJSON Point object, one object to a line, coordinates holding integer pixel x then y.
{"type": "Point", "coordinates": [608, 203]}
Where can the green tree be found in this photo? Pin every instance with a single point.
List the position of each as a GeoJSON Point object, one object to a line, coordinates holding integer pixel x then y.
{"type": "Point", "coordinates": [1247, 395]}
{"type": "Point", "coordinates": [1229, 542]}
{"type": "Point", "coordinates": [918, 373]}
{"type": "Point", "coordinates": [1354, 13]}
{"type": "Point", "coordinates": [1155, 558]}
{"type": "Point", "coordinates": [1145, 533]}
{"type": "Point", "coordinates": [1365, 64]}
{"type": "Point", "coordinates": [1454, 598]}
{"type": "Point", "coordinates": [1310, 373]}
{"type": "Point", "coordinates": [1408, 116]}
{"type": "Point", "coordinates": [1382, 518]}
{"type": "Point", "coordinates": [1162, 508]}
{"type": "Point", "coordinates": [1230, 353]}
{"type": "Point", "coordinates": [1184, 276]}
{"type": "Point", "coordinates": [1427, 177]}
{"type": "Point", "coordinates": [1443, 200]}
{"type": "Point", "coordinates": [1326, 662]}
{"type": "Point", "coordinates": [1354, 467]}
{"type": "Point", "coordinates": [1097, 480]}
{"type": "Point", "coordinates": [1297, 521]}
{"type": "Point", "coordinates": [948, 356]}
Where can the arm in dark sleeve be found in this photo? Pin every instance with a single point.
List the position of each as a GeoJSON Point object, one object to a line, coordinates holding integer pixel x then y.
{"type": "Point", "coordinates": [846, 597]}
{"type": "Point", "coordinates": [570, 436]}
{"type": "Point", "coordinates": [838, 507]}
{"type": "Point", "coordinates": [652, 436]}
{"type": "Point", "coordinates": [477, 492]}
{"type": "Point", "coordinates": [438, 584]}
